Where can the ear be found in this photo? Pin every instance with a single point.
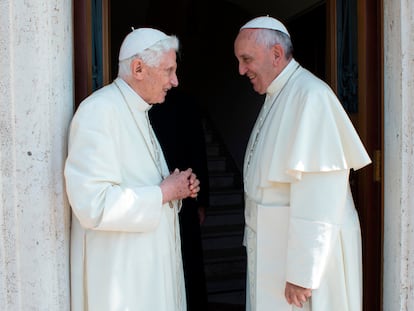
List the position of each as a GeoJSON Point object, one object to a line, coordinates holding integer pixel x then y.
{"type": "Point", "coordinates": [278, 54]}
{"type": "Point", "coordinates": [137, 68]}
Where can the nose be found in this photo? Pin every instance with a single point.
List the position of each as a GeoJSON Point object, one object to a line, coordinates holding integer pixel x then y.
{"type": "Point", "coordinates": [174, 80]}
{"type": "Point", "coordinates": [242, 69]}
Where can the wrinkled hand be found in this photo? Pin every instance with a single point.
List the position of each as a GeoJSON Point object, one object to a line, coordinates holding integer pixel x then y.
{"type": "Point", "coordinates": [194, 185]}
{"type": "Point", "coordinates": [297, 295]}
{"type": "Point", "coordinates": [179, 185]}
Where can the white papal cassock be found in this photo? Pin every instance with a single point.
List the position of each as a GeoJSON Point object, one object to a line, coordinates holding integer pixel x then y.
{"type": "Point", "coordinates": [125, 248]}
{"type": "Point", "coordinates": [301, 224]}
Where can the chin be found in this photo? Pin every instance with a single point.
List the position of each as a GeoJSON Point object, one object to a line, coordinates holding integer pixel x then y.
{"type": "Point", "coordinates": [258, 90]}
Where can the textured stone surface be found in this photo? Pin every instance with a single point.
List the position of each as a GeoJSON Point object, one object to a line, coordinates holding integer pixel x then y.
{"type": "Point", "coordinates": [398, 281]}
{"type": "Point", "coordinates": [36, 96]}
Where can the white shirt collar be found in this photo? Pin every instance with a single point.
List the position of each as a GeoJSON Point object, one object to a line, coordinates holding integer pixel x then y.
{"type": "Point", "coordinates": [282, 78]}
{"type": "Point", "coordinates": [132, 96]}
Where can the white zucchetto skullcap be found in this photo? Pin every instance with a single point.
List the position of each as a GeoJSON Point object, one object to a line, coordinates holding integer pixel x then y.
{"type": "Point", "coordinates": [138, 40]}
{"type": "Point", "coordinates": [266, 22]}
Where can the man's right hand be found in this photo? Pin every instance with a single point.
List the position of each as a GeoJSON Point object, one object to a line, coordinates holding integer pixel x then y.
{"type": "Point", "coordinates": [179, 185]}
{"type": "Point", "coordinates": [297, 295]}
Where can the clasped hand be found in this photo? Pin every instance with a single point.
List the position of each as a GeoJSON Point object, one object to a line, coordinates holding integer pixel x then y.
{"type": "Point", "coordinates": [180, 185]}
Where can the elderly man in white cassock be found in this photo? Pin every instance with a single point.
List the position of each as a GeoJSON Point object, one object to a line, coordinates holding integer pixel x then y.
{"type": "Point", "coordinates": [125, 248]}
{"type": "Point", "coordinates": [302, 231]}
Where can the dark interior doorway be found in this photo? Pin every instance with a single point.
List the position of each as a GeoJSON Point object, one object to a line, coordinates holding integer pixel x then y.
{"type": "Point", "coordinates": [208, 70]}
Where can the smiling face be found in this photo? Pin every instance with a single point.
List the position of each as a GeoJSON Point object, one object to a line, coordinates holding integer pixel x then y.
{"type": "Point", "coordinates": [158, 80]}
{"type": "Point", "coordinates": [256, 61]}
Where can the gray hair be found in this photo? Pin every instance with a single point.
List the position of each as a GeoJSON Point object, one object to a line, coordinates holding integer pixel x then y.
{"type": "Point", "coordinates": [150, 56]}
{"type": "Point", "coordinates": [270, 37]}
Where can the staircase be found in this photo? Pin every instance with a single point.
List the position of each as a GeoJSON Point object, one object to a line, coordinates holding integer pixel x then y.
{"type": "Point", "coordinates": [222, 232]}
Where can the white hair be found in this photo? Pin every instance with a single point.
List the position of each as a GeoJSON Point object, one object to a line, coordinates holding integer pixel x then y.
{"type": "Point", "coordinates": [150, 56]}
{"type": "Point", "coordinates": [270, 37]}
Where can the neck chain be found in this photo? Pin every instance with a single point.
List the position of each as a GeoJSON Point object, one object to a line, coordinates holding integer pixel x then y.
{"type": "Point", "coordinates": [262, 122]}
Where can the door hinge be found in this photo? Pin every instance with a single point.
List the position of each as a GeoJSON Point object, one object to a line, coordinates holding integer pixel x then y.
{"type": "Point", "coordinates": [377, 165]}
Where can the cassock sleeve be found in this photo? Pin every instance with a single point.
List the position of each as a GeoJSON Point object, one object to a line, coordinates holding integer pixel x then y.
{"type": "Point", "coordinates": [318, 202]}
{"type": "Point", "coordinates": [96, 189]}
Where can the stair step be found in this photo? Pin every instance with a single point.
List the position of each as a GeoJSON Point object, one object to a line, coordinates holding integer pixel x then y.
{"type": "Point", "coordinates": [226, 265]}
{"type": "Point", "coordinates": [226, 197]}
{"type": "Point", "coordinates": [226, 209]}
{"type": "Point", "coordinates": [222, 231]}
{"type": "Point", "coordinates": [236, 303]}
{"type": "Point", "coordinates": [224, 215]}
{"type": "Point", "coordinates": [228, 300]}
{"type": "Point", "coordinates": [227, 285]}
{"type": "Point", "coordinates": [222, 242]}
{"type": "Point", "coordinates": [222, 179]}
{"type": "Point", "coordinates": [222, 237]}
{"type": "Point", "coordinates": [225, 255]}
{"type": "Point", "coordinates": [224, 270]}
{"type": "Point", "coordinates": [217, 164]}
{"type": "Point", "coordinates": [213, 149]}
{"type": "Point", "coordinates": [208, 136]}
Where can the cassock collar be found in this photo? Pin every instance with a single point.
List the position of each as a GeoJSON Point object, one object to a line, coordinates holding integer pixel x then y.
{"type": "Point", "coordinates": [278, 83]}
{"type": "Point", "coordinates": [131, 96]}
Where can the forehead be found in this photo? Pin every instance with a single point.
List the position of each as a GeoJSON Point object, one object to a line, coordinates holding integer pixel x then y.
{"type": "Point", "coordinates": [245, 43]}
{"type": "Point", "coordinates": [168, 59]}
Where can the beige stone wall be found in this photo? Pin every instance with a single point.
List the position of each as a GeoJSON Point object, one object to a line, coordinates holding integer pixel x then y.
{"type": "Point", "coordinates": [36, 100]}
{"type": "Point", "coordinates": [399, 155]}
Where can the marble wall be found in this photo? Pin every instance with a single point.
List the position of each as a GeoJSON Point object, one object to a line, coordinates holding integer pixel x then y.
{"type": "Point", "coordinates": [36, 104]}
{"type": "Point", "coordinates": [398, 275]}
